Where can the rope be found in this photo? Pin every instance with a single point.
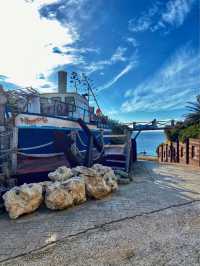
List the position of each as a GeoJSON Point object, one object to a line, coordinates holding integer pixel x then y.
{"type": "Point", "coordinates": [8, 151]}
{"type": "Point", "coordinates": [36, 147]}
{"type": "Point", "coordinates": [41, 155]}
{"type": "Point", "coordinates": [98, 156]}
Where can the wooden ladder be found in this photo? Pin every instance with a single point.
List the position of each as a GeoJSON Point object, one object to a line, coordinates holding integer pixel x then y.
{"type": "Point", "coordinates": [118, 156]}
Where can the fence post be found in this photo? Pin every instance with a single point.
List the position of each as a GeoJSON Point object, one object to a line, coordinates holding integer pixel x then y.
{"type": "Point", "coordinates": [177, 151]}
{"type": "Point", "coordinates": [14, 145]}
{"type": "Point", "coordinates": [187, 156]}
{"type": "Point", "coordinates": [128, 149]}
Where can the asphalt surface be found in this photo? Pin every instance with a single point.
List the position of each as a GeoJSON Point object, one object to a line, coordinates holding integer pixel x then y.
{"type": "Point", "coordinates": [155, 220]}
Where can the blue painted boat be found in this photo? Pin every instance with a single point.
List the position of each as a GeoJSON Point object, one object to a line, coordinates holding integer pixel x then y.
{"type": "Point", "coordinates": [48, 116]}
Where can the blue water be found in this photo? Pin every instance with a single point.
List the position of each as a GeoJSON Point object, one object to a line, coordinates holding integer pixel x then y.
{"type": "Point", "coordinates": [148, 141]}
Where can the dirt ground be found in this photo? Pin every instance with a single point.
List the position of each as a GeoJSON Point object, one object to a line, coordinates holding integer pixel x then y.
{"type": "Point", "coordinates": [155, 220]}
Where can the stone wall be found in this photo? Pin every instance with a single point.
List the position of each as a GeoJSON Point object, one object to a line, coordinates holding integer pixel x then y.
{"type": "Point", "coordinates": [194, 152]}
{"type": "Point", "coordinates": [178, 152]}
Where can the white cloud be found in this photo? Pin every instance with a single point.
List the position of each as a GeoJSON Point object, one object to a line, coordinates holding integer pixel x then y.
{"type": "Point", "coordinates": [112, 112]}
{"type": "Point", "coordinates": [145, 21]}
{"type": "Point", "coordinates": [160, 16]}
{"type": "Point", "coordinates": [141, 24]}
{"type": "Point", "coordinates": [176, 12]}
{"type": "Point", "coordinates": [27, 41]}
{"type": "Point", "coordinates": [124, 71]}
{"type": "Point", "coordinates": [133, 41]}
{"type": "Point", "coordinates": [118, 56]}
{"type": "Point", "coordinates": [177, 82]}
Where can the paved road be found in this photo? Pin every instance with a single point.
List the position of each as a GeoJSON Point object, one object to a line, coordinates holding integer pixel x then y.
{"type": "Point", "coordinates": [155, 220]}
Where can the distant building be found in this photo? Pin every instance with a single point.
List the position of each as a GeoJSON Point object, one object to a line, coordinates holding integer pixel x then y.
{"type": "Point", "coordinates": [63, 103]}
{"type": "Point", "coordinates": [62, 82]}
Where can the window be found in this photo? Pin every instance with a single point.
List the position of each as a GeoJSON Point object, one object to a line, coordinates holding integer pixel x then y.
{"type": "Point", "coordinates": [193, 151]}
{"type": "Point", "coordinates": [44, 106]}
{"type": "Point", "coordinates": [56, 99]}
{"type": "Point", "coordinates": [71, 104]}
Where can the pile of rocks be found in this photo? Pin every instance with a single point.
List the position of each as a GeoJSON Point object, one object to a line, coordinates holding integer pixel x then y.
{"type": "Point", "coordinates": [68, 187]}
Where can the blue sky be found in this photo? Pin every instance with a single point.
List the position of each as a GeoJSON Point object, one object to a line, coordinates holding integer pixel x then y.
{"type": "Point", "coordinates": [143, 55]}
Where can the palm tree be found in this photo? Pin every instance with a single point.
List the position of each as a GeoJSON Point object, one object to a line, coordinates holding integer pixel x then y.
{"type": "Point", "coordinates": [194, 116]}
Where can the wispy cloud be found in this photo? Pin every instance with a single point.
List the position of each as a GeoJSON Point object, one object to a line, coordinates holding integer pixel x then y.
{"type": "Point", "coordinates": [124, 71]}
{"type": "Point", "coordinates": [117, 57]}
{"type": "Point", "coordinates": [162, 16]}
{"type": "Point", "coordinates": [145, 20]}
{"type": "Point", "coordinates": [176, 12]}
{"type": "Point", "coordinates": [177, 82]}
{"type": "Point", "coordinates": [132, 41]}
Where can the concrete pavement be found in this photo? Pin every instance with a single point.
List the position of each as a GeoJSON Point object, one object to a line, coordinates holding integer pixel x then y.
{"type": "Point", "coordinates": [155, 220]}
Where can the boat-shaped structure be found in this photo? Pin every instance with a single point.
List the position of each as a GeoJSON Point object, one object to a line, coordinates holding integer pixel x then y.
{"type": "Point", "coordinates": [60, 128]}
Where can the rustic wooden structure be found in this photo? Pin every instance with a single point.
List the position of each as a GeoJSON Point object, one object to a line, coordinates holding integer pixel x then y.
{"type": "Point", "coordinates": [5, 139]}
{"type": "Point", "coordinates": [187, 153]}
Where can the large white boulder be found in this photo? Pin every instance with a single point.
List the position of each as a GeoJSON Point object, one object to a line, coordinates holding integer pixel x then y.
{"type": "Point", "coordinates": [58, 196]}
{"type": "Point", "coordinates": [96, 187]}
{"type": "Point", "coordinates": [111, 181]}
{"type": "Point", "coordinates": [99, 180]}
{"type": "Point", "coordinates": [77, 186]}
{"type": "Point", "coordinates": [107, 174]}
{"type": "Point", "coordinates": [62, 173]}
{"type": "Point", "coordinates": [62, 195]}
{"type": "Point", "coordinates": [101, 169]}
{"type": "Point", "coordinates": [23, 199]}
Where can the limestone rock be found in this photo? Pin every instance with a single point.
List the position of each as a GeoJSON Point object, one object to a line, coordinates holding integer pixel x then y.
{"type": "Point", "coordinates": [108, 174]}
{"type": "Point", "coordinates": [44, 185]}
{"type": "Point", "coordinates": [101, 169]}
{"type": "Point", "coordinates": [77, 186]}
{"type": "Point", "coordinates": [58, 196]}
{"type": "Point", "coordinates": [99, 180]}
{"type": "Point", "coordinates": [23, 199]}
{"type": "Point", "coordinates": [96, 187]}
{"type": "Point", "coordinates": [84, 171]}
{"type": "Point", "coordinates": [65, 194]}
{"type": "Point", "coordinates": [111, 181]}
{"type": "Point", "coordinates": [62, 173]}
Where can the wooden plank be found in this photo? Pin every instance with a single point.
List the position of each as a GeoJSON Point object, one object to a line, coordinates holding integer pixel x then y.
{"type": "Point", "coordinates": [114, 136]}
{"type": "Point", "coordinates": [14, 145]}
{"type": "Point", "coordinates": [114, 146]}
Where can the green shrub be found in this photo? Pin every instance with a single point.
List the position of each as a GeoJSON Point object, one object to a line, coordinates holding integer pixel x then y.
{"type": "Point", "coordinates": [189, 132]}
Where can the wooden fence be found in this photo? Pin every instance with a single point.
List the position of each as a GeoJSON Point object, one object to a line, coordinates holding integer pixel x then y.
{"type": "Point", "coordinates": [187, 153]}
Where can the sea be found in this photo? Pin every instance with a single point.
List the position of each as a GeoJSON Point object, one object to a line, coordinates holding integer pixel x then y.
{"type": "Point", "coordinates": [148, 141]}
